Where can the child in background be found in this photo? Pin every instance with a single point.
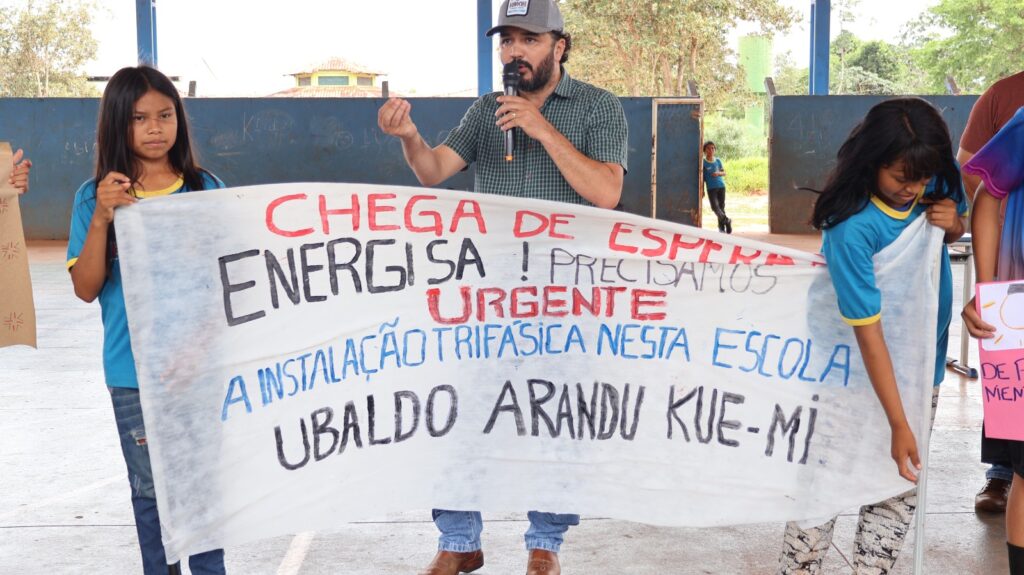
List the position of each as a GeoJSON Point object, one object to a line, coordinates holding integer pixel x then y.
{"type": "Point", "coordinates": [143, 151]}
{"type": "Point", "coordinates": [714, 182]}
{"type": "Point", "coordinates": [896, 166]}
{"type": "Point", "coordinates": [1000, 164]}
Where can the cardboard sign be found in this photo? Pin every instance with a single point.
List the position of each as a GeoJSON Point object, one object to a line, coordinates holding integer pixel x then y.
{"type": "Point", "coordinates": [17, 311]}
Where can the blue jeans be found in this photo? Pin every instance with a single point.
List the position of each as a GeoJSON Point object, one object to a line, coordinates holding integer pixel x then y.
{"type": "Point", "coordinates": [131, 429]}
{"type": "Point", "coordinates": [460, 530]}
{"type": "Point", "coordinates": [997, 471]}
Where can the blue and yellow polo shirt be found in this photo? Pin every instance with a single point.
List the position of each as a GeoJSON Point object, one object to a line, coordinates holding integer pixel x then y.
{"type": "Point", "coordinates": [118, 361]}
{"type": "Point", "coordinates": [849, 249]}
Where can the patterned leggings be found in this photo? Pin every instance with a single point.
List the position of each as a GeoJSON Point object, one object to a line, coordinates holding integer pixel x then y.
{"type": "Point", "coordinates": [881, 529]}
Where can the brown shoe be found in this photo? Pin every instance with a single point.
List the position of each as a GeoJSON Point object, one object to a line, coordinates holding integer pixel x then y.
{"type": "Point", "coordinates": [543, 562]}
{"type": "Point", "coordinates": [452, 563]}
{"type": "Point", "coordinates": [992, 497]}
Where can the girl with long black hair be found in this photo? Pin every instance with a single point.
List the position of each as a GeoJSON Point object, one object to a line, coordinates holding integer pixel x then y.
{"type": "Point", "coordinates": [143, 151]}
{"type": "Point", "coordinates": [897, 165]}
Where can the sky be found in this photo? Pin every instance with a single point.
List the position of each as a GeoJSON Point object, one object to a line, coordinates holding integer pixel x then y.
{"type": "Point", "coordinates": [427, 48]}
{"type": "Point", "coordinates": [874, 20]}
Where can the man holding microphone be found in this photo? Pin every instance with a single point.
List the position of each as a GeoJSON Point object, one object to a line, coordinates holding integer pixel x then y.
{"type": "Point", "coordinates": [569, 145]}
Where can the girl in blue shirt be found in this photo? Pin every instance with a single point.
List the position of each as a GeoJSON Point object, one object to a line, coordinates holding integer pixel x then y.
{"type": "Point", "coordinates": [143, 150]}
{"type": "Point", "coordinates": [896, 166]}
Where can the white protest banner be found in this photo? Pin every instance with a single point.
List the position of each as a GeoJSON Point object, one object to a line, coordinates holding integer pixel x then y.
{"type": "Point", "coordinates": [311, 354]}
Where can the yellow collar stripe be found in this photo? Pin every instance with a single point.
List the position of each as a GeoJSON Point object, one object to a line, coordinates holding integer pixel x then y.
{"type": "Point", "coordinates": [892, 212]}
{"type": "Point", "coordinates": [168, 190]}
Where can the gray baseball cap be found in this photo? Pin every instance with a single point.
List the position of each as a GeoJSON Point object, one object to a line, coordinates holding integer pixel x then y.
{"type": "Point", "coordinates": [537, 16]}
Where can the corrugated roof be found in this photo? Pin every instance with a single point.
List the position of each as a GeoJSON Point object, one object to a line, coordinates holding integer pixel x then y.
{"type": "Point", "coordinates": [336, 63]}
{"type": "Point", "coordinates": [331, 92]}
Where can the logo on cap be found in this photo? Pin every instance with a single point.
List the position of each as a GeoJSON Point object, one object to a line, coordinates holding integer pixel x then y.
{"type": "Point", "coordinates": [517, 7]}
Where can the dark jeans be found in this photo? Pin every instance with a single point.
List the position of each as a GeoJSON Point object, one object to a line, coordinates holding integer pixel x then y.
{"type": "Point", "coordinates": [132, 430]}
{"type": "Point", "coordinates": [716, 196]}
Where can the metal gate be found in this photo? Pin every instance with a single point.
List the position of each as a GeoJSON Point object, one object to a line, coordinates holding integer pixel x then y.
{"type": "Point", "coordinates": [676, 176]}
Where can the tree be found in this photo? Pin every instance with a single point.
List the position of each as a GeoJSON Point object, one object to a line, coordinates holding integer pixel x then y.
{"type": "Point", "coordinates": [850, 79]}
{"type": "Point", "coordinates": [856, 67]}
{"type": "Point", "coordinates": [857, 80]}
{"type": "Point", "coordinates": [43, 47]}
{"type": "Point", "coordinates": [653, 48]}
{"type": "Point", "coordinates": [874, 67]}
{"type": "Point", "coordinates": [880, 58]}
{"type": "Point", "coordinates": [790, 80]}
{"type": "Point", "coordinates": [733, 138]}
{"type": "Point", "coordinates": [976, 42]}
{"type": "Point", "coordinates": [840, 52]}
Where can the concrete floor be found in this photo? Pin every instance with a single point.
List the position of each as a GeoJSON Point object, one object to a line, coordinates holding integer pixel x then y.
{"type": "Point", "coordinates": [64, 499]}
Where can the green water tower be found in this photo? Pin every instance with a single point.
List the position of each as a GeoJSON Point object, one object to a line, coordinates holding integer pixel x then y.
{"type": "Point", "coordinates": [755, 57]}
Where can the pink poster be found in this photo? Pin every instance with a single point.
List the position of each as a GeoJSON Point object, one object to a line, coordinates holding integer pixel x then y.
{"type": "Point", "coordinates": [1001, 304]}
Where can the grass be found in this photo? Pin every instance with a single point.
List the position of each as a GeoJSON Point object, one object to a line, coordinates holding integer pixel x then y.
{"type": "Point", "coordinates": [746, 175]}
{"type": "Point", "coordinates": [748, 212]}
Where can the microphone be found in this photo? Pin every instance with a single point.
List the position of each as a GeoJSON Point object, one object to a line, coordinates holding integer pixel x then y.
{"type": "Point", "coordinates": [510, 78]}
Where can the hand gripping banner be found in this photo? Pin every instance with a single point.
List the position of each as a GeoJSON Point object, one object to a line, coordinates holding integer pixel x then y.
{"type": "Point", "coordinates": [312, 354]}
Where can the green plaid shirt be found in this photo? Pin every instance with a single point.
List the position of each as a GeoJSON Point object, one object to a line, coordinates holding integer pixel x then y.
{"type": "Point", "coordinates": [589, 117]}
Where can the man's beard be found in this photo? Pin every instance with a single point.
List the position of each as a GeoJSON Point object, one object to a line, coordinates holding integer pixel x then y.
{"type": "Point", "coordinates": [541, 75]}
